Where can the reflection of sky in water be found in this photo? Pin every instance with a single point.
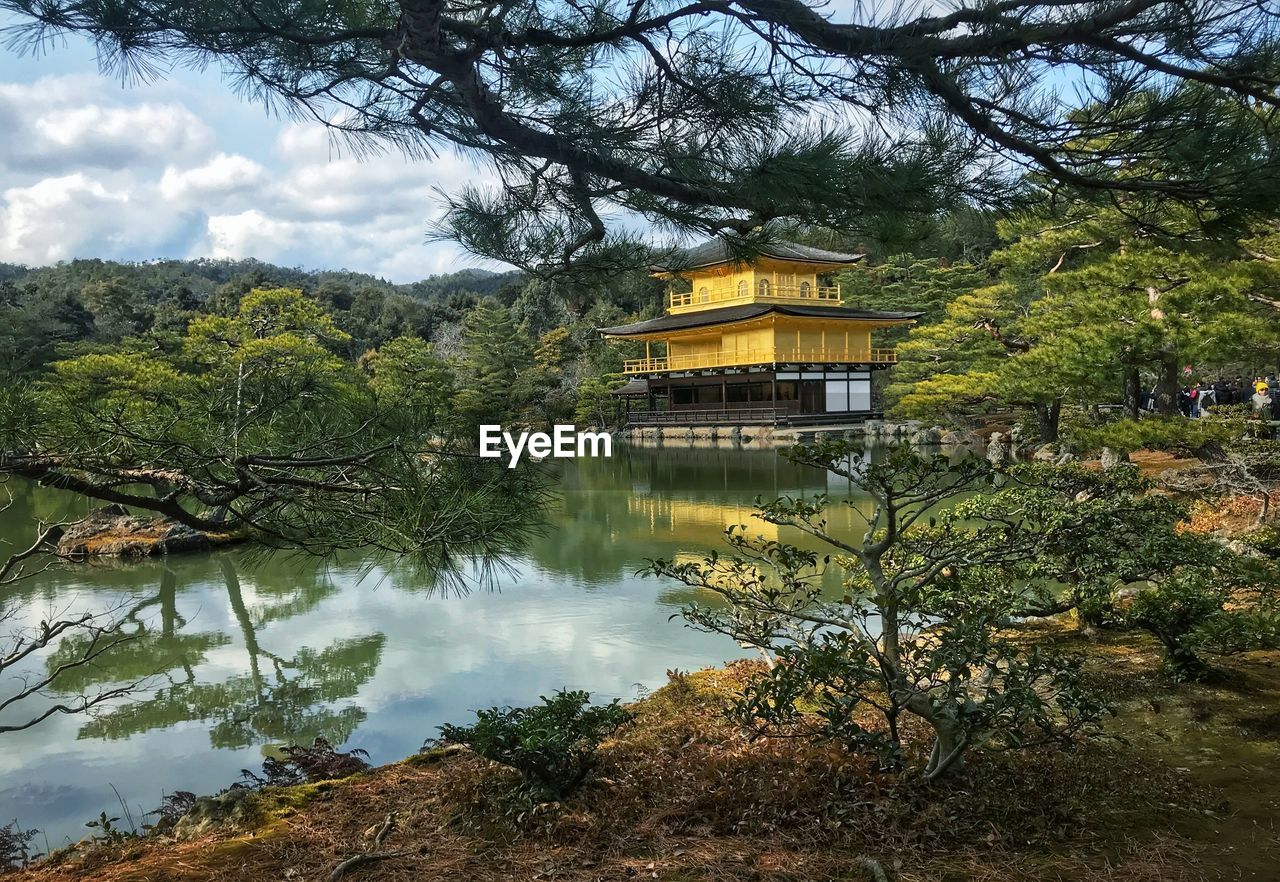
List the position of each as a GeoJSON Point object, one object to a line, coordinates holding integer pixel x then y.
{"type": "Point", "coordinates": [261, 652]}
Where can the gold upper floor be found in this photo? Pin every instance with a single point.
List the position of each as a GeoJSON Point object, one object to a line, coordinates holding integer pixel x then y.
{"type": "Point", "coordinates": [768, 340]}
{"type": "Point", "coordinates": [763, 282]}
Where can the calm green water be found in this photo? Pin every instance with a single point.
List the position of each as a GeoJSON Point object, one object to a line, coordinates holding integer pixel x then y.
{"type": "Point", "coordinates": [246, 652]}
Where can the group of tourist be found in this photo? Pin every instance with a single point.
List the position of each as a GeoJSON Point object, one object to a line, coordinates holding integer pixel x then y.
{"type": "Point", "coordinates": [1261, 396]}
{"type": "Point", "coordinates": [1257, 395]}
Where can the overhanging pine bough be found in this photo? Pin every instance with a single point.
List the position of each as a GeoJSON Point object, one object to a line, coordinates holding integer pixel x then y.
{"type": "Point", "coordinates": [693, 113]}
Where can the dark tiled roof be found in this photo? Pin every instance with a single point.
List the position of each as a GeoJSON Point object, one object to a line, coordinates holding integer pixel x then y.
{"type": "Point", "coordinates": [729, 314]}
{"type": "Point", "coordinates": [635, 386]}
{"type": "Point", "coordinates": [718, 251]}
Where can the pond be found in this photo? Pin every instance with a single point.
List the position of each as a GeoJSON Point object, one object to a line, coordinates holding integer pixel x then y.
{"type": "Point", "coordinates": [247, 652]}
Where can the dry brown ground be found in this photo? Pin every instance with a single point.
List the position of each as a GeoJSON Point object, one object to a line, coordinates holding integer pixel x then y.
{"type": "Point", "coordinates": [1229, 517]}
{"type": "Point", "coordinates": [1153, 462]}
{"type": "Point", "coordinates": [1186, 791]}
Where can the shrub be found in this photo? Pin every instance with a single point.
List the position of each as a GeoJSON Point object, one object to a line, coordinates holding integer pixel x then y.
{"type": "Point", "coordinates": [917, 637]}
{"type": "Point", "coordinates": [1264, 539]}
{"type": "Point", "coordinates": [1175, 434]}
{"type": "Point", "coordinates": [552, 745]}
{"type": "Point", "coordinates": [303, 765]}
{"type": "Point", "coordinates": [15, 846]}
{"type": "Point", "coordinates": [1194, 611]}
{"type": "Point", "coordinates": [1173, 611]}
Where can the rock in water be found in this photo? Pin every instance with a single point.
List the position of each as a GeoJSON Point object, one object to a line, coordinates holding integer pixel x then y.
{"type": "Point", "coordinates": [113, 532]}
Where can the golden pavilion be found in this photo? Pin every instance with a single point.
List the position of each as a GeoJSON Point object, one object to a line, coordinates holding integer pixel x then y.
{"type": "Point", "coordinates": [765, 341]}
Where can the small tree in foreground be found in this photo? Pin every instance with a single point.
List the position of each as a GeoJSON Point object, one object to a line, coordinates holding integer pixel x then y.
{"type": "Point", "coordinates": [15, 846]}
{"type": "Point", "coordinates": [551, 745]}
{"type": "Point", "coordinates": [919, 630]}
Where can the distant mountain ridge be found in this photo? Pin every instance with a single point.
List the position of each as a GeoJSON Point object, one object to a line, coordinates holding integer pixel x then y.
{"type": "Point", "coordinates": [202, 276]}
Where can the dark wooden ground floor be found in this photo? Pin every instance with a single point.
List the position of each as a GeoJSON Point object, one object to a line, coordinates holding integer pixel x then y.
{"type": "Point", "coordinates": [777, 397]}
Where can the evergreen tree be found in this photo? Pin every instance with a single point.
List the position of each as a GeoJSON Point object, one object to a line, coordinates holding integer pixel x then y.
{"type": "Point", "coordinates": [909, 284]}
{"type": "Point", "coordinates": [117, 312]}
{"type": "Point", "coordinates": [407, 374]}
{"type": "Point", "coordinates": [1095, 302]}
{"type": "Point", "coordinates": [494, 354]}
{"type": "Point", "coordinates": [255, 426]}
{"type": "Point", "coordinates": [702, 116]}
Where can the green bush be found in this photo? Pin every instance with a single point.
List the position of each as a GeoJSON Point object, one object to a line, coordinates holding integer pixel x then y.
{"type": "Point", "coordinates": [1265, 539]}
{"type": "Point", "coordinates": [552, 745]}
{"type": "Point", "coordinates": [1175, 434]}
{"type": "Point", "coordinates": [1231, 610]}
{"type": "Point", "coordinates": [1173, 611]}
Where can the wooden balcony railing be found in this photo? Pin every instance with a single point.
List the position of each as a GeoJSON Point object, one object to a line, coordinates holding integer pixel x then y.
{"type": "Point", "coordinates": [681, 301]}
{"type": "Point", "coordinates": [691, 417]}
{"type": "Point", "coordinates": [741, 357]}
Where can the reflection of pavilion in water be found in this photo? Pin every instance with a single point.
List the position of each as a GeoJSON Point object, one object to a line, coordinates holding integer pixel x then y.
{"type": "Point", "coordinates": [703, 523]}
{"type": "Point", "coordinates": [725, 495]}
{"type": "Point", "coordinates": [646, 502]}
{"type": "Point", "coordinates": [745, 474]}
{"type": "Point", "coordinates": [678, 496]}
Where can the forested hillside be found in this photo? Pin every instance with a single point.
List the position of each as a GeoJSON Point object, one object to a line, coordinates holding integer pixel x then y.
{"type": "Point", "coordinates": [45, 311]}
{"type": "Point", "coordinates": [516, 348]}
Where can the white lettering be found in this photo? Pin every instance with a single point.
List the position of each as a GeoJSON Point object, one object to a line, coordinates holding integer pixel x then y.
{"type": "Point", "coordinates": [539, 445]}
{"type": "Point", "coordinates": [515, 448]}
{"type": "Point", "coordinates": [596, 439]}
{"type": "Point", "coordinates": [565, 442]}
{"type": "Point", "coordinates": [490, 438]}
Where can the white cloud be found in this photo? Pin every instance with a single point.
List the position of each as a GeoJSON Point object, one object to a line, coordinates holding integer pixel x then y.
{"type": "Point", "coordinates": [90, 170]}
{"type": "Point", "coordinates": [223, 175]}
{"type": "Point", "coordinates": [40, 223]}
{"type": "Point", "coordinates": [58, 122]}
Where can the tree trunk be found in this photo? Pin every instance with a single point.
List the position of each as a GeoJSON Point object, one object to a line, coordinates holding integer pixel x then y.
{"type": "Point", "coordinates": [1183, 661]}
{"type": "Point", "coordinates": [1047, 415]}
{"type": "Point", "coordinates": [1132, 392]}
{"type": "Point", "coordinates": [948, 752]}
{"type": "Point", "coordinates": [1167, 389]}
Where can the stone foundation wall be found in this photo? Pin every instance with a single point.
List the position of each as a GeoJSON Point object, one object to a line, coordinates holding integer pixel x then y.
{"type": "Point", "coordinates": [768, 436]}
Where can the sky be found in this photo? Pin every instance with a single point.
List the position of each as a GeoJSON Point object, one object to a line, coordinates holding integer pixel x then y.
{"type": "Point", "coordinates": [182, 167]}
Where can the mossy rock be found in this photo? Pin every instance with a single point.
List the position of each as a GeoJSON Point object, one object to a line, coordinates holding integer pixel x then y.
{"type": "Point", "coordinates": [241, 810]}
{"type": "Point", "coordinates": [432, 755]}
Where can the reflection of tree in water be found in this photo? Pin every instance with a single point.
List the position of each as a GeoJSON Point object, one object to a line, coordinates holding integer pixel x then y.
{"type": "Point", "coordinates": [278, 699]}
{"type": "Point", "coordinates": [155, 648]}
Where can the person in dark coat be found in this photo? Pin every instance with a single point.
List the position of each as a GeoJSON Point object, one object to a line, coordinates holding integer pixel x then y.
{"type": "Point", "coordinates": [1222, 392]}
